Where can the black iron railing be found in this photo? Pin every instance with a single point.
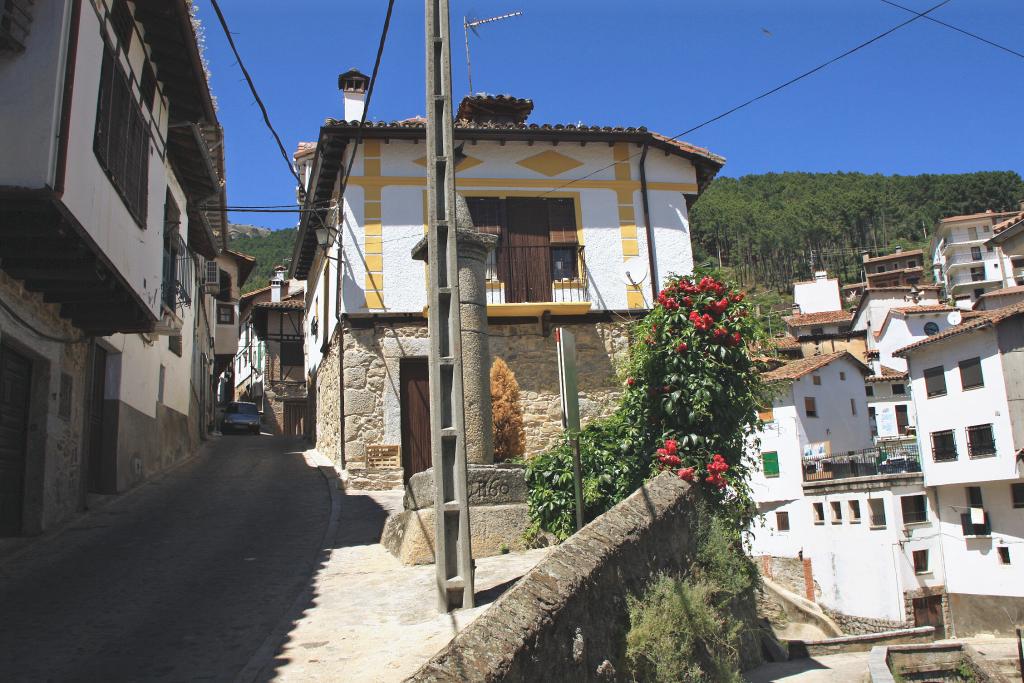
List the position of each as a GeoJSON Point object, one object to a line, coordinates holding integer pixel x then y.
{"type": "Point", "coordinates": [15, 21]}
{"type": "Point", "coordinates": [882, 459]}
{"type": "Point", "coordinates": [555, 273]}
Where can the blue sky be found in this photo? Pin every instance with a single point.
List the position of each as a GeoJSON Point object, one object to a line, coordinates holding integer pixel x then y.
{"type": "Point", "coordinates": [922, 100]}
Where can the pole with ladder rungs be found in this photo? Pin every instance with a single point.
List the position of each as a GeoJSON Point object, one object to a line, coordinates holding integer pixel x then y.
{"type": "Point", "coordinates": [452, 554]}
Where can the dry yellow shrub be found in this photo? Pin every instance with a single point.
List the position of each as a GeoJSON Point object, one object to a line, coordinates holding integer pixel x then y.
{"type": "Point", "coordinates": [509, 438]}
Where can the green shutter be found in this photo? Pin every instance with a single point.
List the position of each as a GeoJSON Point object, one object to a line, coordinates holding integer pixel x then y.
{"type": "Point", "coordinates": [770, 459]}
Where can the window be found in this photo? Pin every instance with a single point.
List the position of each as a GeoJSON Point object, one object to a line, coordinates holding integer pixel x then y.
{"type": "Point", "coordinates": [872, 421]}
{"type": "Point", "coordinates": [816, 379]}
{"type": "Point", "coordinates": [977, 275]}
{"type": "Point", "coordinates": [869, 390]}
{"type": "Point", "coordinates": [563, 263]}
{"type": "Point", "coordinates": [770, 461]}
{"type": "Point", "coordinates": [817, 331]}
{"type": "Point", "coordinates": [980, 441]}
{"type": "Point", "coordinates": [842, 376]}
{"type": "Point", "coordinates": [974, 498]}
{"type": "Point", "coordinates": [970, 374]}
{"type": "Point", "coordinates": [225, 314]}
{"type": "Point", "coordinates": [766, 414]}
{"type": "Point", "coordinates": [920, 561]}
{"type": "Point", "coordinates": [224, 285]}
{"type": "Point", "coordinates": [782, 521]}
{"type": "Point", "coordinates": [915, 509]}
{"type": "Point", "coordinates": [121, 141]}
{"type": "Point", "coordinates": [837, 512]}
{"type": "Point", "coordinates": [819, 512]}
{"type": "Point", "coordinates": [973, 525]}
{"type": "Point", "coordinates": [1017, 494]}
{"type": "Point", "coordinates": [172, 241]}
{"type": "Point", "coordinates": [174, 344]}
{"type": "Point", "coordinates": [911, 263]}
{"type": "Point", "coordinates": [943, 446]}
{"type": "Point", "coordinates": [854, 512]}
{"type": "Point", "coordinates": [853, 406]}
{"type": "Point", "coordinates": [810, 408]}
{"type": "Point", "coordinates": [291, 353]}
{"type": "Point", "coordinates": [902, 419]}
{"type": "Point", "coordinates": [935, 381]}
{"type": "Point", "coordinates": [1004, 554]}
{"type": "Point", "coordinates": [880, 269]}
{"type": "Point", "coordinates": [121, 19]}
{"type": "Point", "coordinates": [160, 385]}
{"type": "Point", "coordinates": [876, 508]}
{"type": "Point", "coordinates": [899, 389]}
{"type": "Point", "coordinates": [975, 253]}
{"type": "Point", "coordinates": [978, 293]}
{"type": "Point", "coordinates": [972, 233]}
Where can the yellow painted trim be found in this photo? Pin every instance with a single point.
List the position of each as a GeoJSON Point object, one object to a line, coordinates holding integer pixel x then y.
{"type": "Point", "coordinates": [373, 245]}
{"type": "Point", "coordinates": [373, 229]}
{"type": "Point", "coordinates": [464, 164]}
{"type": "Point", "coordinates": [377, 182]}
{"type": "Point", "coordinates": [620, 153]}
{"type": "Point", "coordinates": [630, 248]}
{"type": "Point", "coordinates": [549, 163]}
{"type": "Point", "coordinates": [374, 263]}
{"type": "Point", "coordinates": [374, 299]}
{"type": "Point", "coordinates": [635, 300]}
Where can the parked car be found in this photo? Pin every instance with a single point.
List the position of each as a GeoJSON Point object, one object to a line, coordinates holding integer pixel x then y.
{"type": "Point", "coordinates": [239, 416]}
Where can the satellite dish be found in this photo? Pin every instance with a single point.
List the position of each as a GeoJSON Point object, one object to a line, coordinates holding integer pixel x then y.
{"type": "Point", "coordinates": [634, 271]}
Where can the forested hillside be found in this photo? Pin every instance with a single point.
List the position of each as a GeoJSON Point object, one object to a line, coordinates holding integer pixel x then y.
{"type": "Point", "coordinates": [765, 227]}
{"type": "Point", "coordinates": [270, 249]}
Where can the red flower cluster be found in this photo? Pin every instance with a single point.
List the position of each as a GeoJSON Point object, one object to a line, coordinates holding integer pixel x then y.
{"type": "Point", "coordinates": [716, 468]}
{"type": "Point", "coordinates": [685, 473]}
{"type": "Point", "coordinates": [701, 322]}
{"type": "Point", "coordinates": [668, 455]}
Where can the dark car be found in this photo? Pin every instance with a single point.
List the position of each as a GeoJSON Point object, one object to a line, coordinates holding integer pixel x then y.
{"type": "Point", "coordinates": [240, 417]}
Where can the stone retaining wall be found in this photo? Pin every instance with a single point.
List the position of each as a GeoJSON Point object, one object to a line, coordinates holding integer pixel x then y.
{"type": "Point", "coordinates": [856, 626]}
{"type": "Point", "coordinates": [326, 418]}
{"type": "Point", "coordinates": [567, 618]}
{"type": "Point", "coordinates": [864, 643]}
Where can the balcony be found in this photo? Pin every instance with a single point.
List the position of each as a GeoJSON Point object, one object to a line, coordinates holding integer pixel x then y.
{"type": "Point", "coordinates": [954, 260]}
{"type": "Point", "coordinates": [520, 277]}
{"type": "Point", "coordinates": [972, 280]}
{"type": "Point", "coordinates": [881, 460]}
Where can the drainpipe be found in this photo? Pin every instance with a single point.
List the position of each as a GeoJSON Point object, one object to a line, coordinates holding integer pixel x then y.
{"type": "Point", "coordinates": [651, 261]}
{"type": "Point", "coordinates": [69, 39]}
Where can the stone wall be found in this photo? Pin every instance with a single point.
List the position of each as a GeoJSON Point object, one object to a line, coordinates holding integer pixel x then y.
{"type": "Point", "coordinates": [567, 618]}
{"type": "Point", "coordinates": [326, 403]}
{"type": "Point", "coordinates": [857, 626]}
{"type": "Point", "coordinates": [799, 649]}
{"type": "Point", "coordinates": [792, 573]}
{"type": "Point", "coordinates": [53, 486]}
{"type": "Point", "coordinates": [372, 357]}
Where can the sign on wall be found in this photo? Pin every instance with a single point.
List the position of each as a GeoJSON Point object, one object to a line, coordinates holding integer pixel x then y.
{"type": "Point", "coordinates": [885, 419]}
{"type": "Point", "coordinates": [818, 449]}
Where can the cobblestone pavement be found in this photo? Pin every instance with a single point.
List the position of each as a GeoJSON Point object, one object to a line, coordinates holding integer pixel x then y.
{"type": "Point", "coordinates": [182, 579]}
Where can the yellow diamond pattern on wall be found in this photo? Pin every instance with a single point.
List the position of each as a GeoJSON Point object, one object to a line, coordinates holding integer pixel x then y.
{"type": "Point", "coordinates": [465, 164]}
{"type": "Point", "coordinates": [550, 163]}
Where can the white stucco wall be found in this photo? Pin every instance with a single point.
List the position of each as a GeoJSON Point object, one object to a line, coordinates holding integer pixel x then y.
{"type": "Point", "coordinates": [837, 422]}
{"type": "Point", "coordinates": [903, 330]}
{"type": "Point", "coordinates": [818, 295]}
{"type": "Point", "coordinates": [959, 409]}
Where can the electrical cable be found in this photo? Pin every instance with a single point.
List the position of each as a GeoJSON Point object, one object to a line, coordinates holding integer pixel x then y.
{"type": "Point", "coordinates": [766, 93]}
{"type": "Point", "coordinates": [957, 29]}
{"type": "Point", "coordinates": [252, 89]}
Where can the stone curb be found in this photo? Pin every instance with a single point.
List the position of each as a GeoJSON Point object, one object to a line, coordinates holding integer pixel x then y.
{"type": "Point", "coordinates": [264, 655]}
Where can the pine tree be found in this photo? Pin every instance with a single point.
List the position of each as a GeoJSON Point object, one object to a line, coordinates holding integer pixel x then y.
{"type": "Point", "coordinates": [509, 438]}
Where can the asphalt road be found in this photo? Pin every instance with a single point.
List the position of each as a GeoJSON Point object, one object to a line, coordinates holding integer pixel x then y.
{"type": "Point", "coordinates": [180, 580]}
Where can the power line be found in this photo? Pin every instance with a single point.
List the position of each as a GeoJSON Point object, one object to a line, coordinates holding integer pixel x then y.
{"type": "Point", "coordinates": [252, 89]}
{"type": "Point", "coordinates": [957, 29]}
{"type": "Point", "coordinates": [768, 93]}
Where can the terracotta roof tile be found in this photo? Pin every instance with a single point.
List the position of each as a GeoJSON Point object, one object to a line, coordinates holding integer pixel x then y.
{"type": "Point", "coordinates": [287, 303]}
{"type": "Point", "coordinates": [803, 319]}
{"type": "Point", "coordinates": [983, 214]}
{"type": "Point", "coordinates": [1008, 223]}
{"type": "Point", "coordinates": [888, 375]}
{"type": "Point", "coordinates": [1005, 291]}
{"type": "Point", "coordinates": [799, 368]}
{"type": "Point", "coordinates": [304, 148]}
{"type": "Point", "coordinates": [979, 320]}
{"type": "Point", "coordinates": [925, 308]}
{"type": "Point", "coordinates": [895, 255]}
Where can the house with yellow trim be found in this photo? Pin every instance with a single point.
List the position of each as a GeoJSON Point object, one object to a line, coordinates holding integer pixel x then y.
{"type": "Point", "coordinates": [590, 222]}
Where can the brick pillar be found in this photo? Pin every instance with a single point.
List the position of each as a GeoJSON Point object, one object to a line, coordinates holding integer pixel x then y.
{"type": "Point", "coordinates": [766, 566]}
{"type": "Point", "coordinates": [808, 579]}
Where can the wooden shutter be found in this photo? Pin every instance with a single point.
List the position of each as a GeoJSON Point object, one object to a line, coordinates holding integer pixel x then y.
{"type": "Point", "coordinates": [488, 214]}
{"type": "Point", "coordinates": [562, 221]}
{"type": "Point", "coordinates": [770, 459]}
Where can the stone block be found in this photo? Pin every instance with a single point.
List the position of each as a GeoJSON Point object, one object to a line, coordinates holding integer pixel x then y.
{"type": "Point", "coordinates": [494, 529]}
{"type": "Point", "coordinates": [487, 485]}
{"type": "Point", "coordinates": [358, 402]}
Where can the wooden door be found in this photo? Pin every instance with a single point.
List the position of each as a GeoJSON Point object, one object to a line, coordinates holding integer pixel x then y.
{"type": "Point", "coordinates": [102, 467]}
{"type": "Point", "coordinates": [294, 419]}
{"type": "Point", "coordinates": [414, 381]}
{"type": "Point", "coordinates": [15, 384]}
{"type": "Point", "coordinates": [928, 612]}
{"type": "Point", "coordinates": [524, 263]}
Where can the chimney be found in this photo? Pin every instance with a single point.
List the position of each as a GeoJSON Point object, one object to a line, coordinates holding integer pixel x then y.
{"type": "Point", "coordinates": [821, 275]}
{"type": "Point", "coordinates": [899, 249]}
{"type": "Point", "coordinates": [278, 285]}
{"type": "Point", "coordinates": [353, 84]}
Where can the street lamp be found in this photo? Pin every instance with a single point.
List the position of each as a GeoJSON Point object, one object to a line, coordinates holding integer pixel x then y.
{"type": "Point", "coordinates": [325, 236]}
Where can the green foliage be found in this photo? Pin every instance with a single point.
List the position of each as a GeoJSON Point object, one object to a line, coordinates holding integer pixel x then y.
{"type": "Point", "coordinates": [693, 628]}
{"type": "Point", "coordinates": [689, 405]}
{"type": "Point", "coordinates": [270, 250]}
{"type": "Point", "coordinates": [764, 226]}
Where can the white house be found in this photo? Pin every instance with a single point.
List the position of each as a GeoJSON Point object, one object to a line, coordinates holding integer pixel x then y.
{"type": "Point", "coordinates": [967, 262]}
{"type": "Point", "coordinates": [817, 295]}
{"type": "Point", "coordinates": [111, 206]}
{"type": "Point", "coordinates": [968, 391]}
{"type": "Point", "coordinates": [591, 221]}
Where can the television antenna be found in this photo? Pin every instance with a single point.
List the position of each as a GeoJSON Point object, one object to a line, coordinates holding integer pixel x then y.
{"type": "Point", "coordinates": [470, 25]}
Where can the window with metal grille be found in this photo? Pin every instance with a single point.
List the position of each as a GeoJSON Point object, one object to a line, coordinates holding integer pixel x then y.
{"type": "Point", "coordinates": [876, 508]}
{"type": "Point", "coordinates": [920, 561]}
{"type": "Point", "coordinates": [899, 389]}
{"type": "Point", "coordinates": [770, 460]}
{"type": "Point", "coordinates": [935, 381]}
{"type": "Point", "coordinates": [15, 21]}
{"type": "Point", "coordinates": [212, 273]}
{"type": "Point", "coordinates": [943, 446]}
{"type": "Point", "coordinates": [980, 441]}
{"type": "Point", "coordinates": [174, 344]}
{"type": "Point", "coordinates": [974, 498]}
{"type": "Point", "coordinates": [121, 141]}
{"type": "Point", "coordinates": [970, 374]}
{"type": "Point", "coordinates": [915, 509]}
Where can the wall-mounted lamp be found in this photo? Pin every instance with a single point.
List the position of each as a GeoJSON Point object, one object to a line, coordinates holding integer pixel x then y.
{"type": "Point", "coordinates": [325, 236]}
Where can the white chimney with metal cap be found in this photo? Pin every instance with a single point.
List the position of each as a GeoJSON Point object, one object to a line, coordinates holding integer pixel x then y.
{"type": "Point", "coordinates": [353, 84]}
{"type": "Point", "coordinates": [278, 285]}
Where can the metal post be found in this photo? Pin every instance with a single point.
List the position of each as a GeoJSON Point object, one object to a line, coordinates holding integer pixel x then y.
{"type": "Point", "coordinates": [569, 388]}
{"type": "Point", "coordinates": [1020, 654]}
{"type": "Point", "coordinates": [452, 552]}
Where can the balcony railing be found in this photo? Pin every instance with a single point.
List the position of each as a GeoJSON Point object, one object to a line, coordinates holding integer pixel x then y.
{"type": "Point", "coordinates": [555, 273]}
{"type": "Point", "coordinates": [883, 459]}
{"type": "Point", "coordinates": [964, 259]}
{"type": "Point", "coordinates": [971, 279]}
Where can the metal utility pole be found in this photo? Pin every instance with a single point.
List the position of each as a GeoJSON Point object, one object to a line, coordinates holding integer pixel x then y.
{"type": "Point", "coordinates": [470, 25]}
{"type": "Point", "coordinates": [453, 559]}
